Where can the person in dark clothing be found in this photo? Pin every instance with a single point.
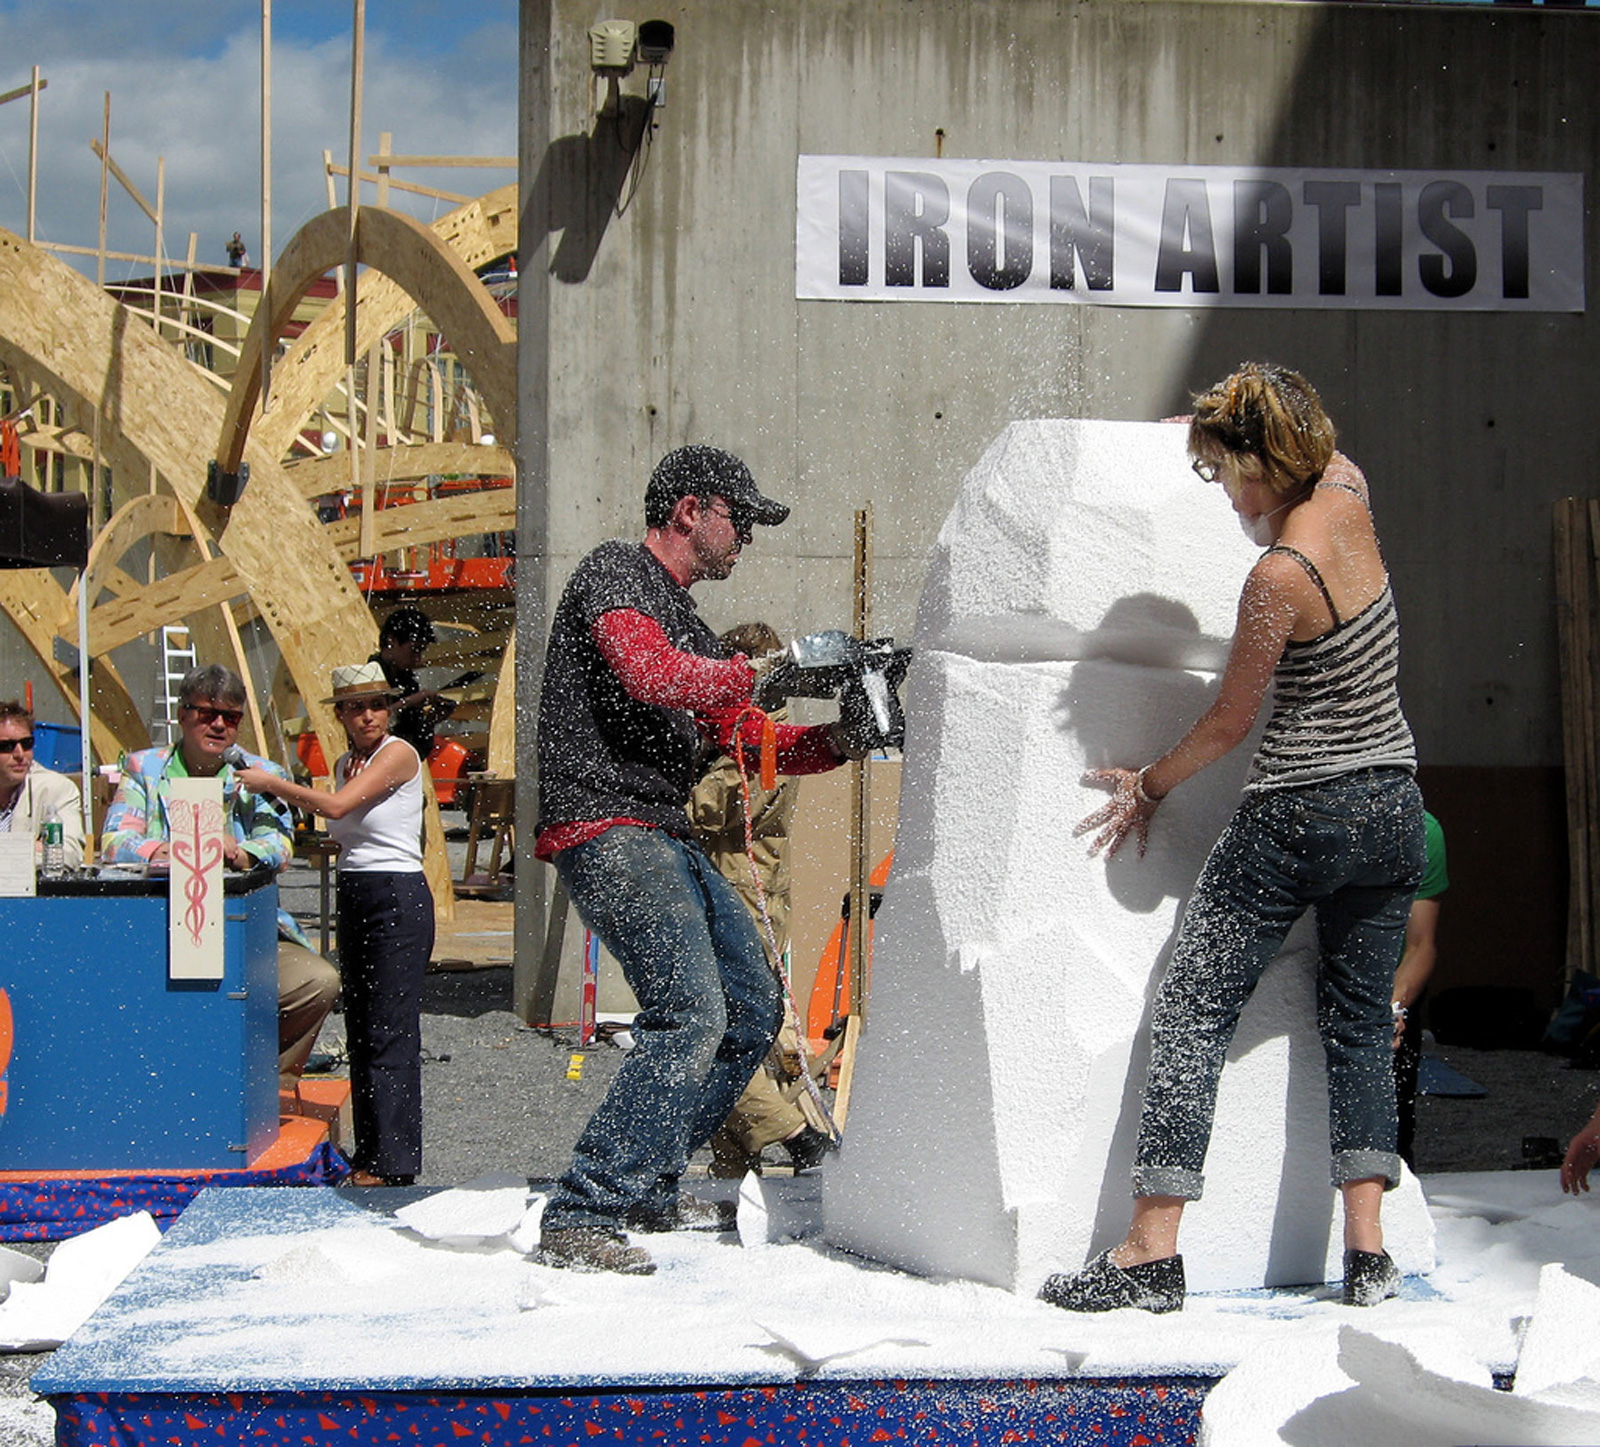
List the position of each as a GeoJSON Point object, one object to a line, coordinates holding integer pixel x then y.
{"type": "Point", "coordinates": [638, 694]}
{"type": "Point", "coordinates": [402, 641]}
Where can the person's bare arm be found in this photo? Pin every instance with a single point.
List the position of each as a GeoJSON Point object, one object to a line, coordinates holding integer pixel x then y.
{"type": "Point", "coordinates": [389, 769]}
{"type": "Point", "coordinates": [1416, 960]}
{"type": "Point", "coordinates": [1268, 608]}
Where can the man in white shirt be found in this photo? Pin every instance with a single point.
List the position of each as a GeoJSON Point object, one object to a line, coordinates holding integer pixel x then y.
{"type": "Point", "coordinates": [31, 793]}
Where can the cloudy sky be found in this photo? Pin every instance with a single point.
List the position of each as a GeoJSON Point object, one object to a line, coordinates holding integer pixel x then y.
{"type": "Point", "coordinates": [184, 78]}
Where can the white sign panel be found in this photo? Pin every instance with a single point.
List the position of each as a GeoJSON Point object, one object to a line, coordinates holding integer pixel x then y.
{"type": "Point", "coordinates": [16, 866]}
{"type": "Point", "coordinates": [194, 888]}
{"type": "Point", "coordinates": [893, 229]}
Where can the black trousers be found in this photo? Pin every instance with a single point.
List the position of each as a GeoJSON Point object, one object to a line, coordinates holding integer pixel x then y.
{"type": "Point", "coordinates": [385, 941]}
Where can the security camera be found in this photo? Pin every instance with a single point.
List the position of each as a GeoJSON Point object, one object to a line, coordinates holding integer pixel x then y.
{"type": "Point", "coordinates": [655, 41]}
{"type": "Point", "coordinates": [611, 45]}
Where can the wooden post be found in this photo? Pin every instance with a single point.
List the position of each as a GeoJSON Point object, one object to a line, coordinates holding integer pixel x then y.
{"type": "Point", "coordinates": [861, 789]}
{"type": "Point", "coordinates": [105, 176]}
{"type": "Point", "coordinates": [33, 152]}
{"type": "Point", "coordinates": [161, 209]}
{"type": "Point", "coordinates": [264, 302]}
{"type": "Point", "coordinates": [1575, 550]}
{"type": "Point", "coordinates": [186, 297]}
{"type": "Point", "coordinates": [353, 189]}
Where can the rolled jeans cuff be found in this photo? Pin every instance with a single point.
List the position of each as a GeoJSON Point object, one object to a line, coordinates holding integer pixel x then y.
{"type": "Point", "coordinates": [1364, 1165]}
{"type": "Point", "coordinates": [1177, 1181]}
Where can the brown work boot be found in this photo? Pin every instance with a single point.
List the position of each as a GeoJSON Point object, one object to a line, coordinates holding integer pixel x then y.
{"type": "Point", "coordinates": [592, 1248]}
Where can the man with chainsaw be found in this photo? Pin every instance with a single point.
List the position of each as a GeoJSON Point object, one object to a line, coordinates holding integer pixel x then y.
{"type": "Point", "coordinates": [638, 694]}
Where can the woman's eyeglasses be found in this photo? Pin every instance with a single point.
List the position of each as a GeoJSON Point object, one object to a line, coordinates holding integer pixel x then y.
{"type": "Point", "coordinates": [10, 746]}
{"type": "Point", "coordinates": [1205, 471]}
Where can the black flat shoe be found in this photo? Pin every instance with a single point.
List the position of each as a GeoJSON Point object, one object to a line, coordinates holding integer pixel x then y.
{"type": "Point", "coordinates": [1102, 1285]}
{"type": "Point", "coordinates": [1369, 1277]}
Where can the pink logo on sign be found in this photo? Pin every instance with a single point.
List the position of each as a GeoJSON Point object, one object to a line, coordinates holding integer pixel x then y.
{"type": "Point", "coordinates": [196, 845]}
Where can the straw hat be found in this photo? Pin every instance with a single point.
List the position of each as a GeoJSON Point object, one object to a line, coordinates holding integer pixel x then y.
{"type": "Point", "coordinates": [360, 680]}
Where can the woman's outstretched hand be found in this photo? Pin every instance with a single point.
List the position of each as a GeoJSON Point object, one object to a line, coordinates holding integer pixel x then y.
{"type": "Point", "coordinates": [1582, 1154]}
{"type": "Point", "coordinates": [1128, 811]}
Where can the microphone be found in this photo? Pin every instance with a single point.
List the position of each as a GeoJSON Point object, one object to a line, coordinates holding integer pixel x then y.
{"type": "Point", "coordinates": [236, 756]}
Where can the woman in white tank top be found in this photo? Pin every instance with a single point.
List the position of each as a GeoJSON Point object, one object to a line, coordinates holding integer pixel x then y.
{"type": "Point", "coordinates": [386, 920]}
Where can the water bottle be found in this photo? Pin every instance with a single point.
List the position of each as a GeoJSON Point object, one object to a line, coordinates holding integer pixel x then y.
{"type": "Point", "coordinates": [54, 863]}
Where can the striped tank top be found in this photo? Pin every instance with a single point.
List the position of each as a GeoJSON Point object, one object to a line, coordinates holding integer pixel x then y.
{"type": "Point", "coordinates": [1336, 704]}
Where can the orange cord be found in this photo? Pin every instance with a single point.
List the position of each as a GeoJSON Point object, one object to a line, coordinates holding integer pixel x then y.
{"type": "Point", "coordinates": [769, 781]}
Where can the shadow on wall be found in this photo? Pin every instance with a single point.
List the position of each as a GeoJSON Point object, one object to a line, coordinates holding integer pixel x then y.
{"type": "Point", "coordinates": [580, 187]}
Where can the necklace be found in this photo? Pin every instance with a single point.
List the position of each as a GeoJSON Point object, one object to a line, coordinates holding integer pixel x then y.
{"type": "Point", "coordinates": [359, 760]}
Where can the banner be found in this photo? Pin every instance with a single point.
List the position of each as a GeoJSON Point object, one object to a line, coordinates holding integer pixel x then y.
{"type": "Point", "coordinates": [893, 229]}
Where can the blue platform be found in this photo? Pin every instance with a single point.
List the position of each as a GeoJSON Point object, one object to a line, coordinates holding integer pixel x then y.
{"type": "Point", "coordinates": [171, 1359]}
{"type": "Point", "coordinates": [112, 1065]}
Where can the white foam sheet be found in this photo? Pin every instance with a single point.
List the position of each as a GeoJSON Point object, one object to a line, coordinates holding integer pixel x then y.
{"type": "Point", "coordinates": [1078, 609]}
{"type": "Point", "coordinates": [296, 1288]}
{"type": "Point", "coordinates": [82, 1273]}
{"type": "Point", "coordinates": [491, 1206]}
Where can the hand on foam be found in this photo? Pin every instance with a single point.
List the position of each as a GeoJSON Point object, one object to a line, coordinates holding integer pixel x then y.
{"type": "Point", "coordinates": [1127, 812]}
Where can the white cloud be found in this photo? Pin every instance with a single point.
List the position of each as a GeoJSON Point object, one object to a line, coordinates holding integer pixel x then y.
{"type": "Point", "coordinates": [200, 111]}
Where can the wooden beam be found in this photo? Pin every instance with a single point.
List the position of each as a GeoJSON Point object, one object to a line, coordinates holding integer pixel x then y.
{"type": "Point", "coordinates": [176, 596]}
{"type": "Point", "coordinates": [411, 186]}
{"type": "Point", "coordinates": [465, 515]}
{"type": "Point", "coordinates": [319, 476]}
{"type": "Point", "coordinates": [33, 153]}
{"type": "Point", "coordinates": [23, 90]}
{"type": "Point", "coordinates": [477, 232]}
{"type": "Point", "coordinates": [500, 163]}
{"type": "Point", "coordinates": [124, 181]}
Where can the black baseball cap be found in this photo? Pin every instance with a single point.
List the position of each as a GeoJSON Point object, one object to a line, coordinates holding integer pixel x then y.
{"type": "Point", "coordinates": [700, 471]}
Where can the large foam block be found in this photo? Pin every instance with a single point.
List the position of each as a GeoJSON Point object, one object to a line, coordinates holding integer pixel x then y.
{"type": "Point", "coordinates": [1077, 614]}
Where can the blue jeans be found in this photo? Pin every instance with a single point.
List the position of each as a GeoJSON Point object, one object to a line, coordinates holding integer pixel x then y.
{"type": "Point", "coordinates": [709, 1007]}
{"type": "Point", "coordinates": [1353, 848]}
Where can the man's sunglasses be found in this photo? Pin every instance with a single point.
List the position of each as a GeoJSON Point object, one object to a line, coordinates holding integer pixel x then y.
{"type": "Point", "coordinates": [10, 746]}
{"type": "Point", "coordinates": [207, 714]}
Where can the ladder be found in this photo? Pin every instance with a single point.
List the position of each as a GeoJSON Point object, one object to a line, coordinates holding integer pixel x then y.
{"type": "Point", "coordinates": [177, 658]}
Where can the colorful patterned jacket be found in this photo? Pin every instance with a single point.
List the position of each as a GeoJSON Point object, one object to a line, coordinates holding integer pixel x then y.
{"type": "Point", "coordinates": [136, 820]}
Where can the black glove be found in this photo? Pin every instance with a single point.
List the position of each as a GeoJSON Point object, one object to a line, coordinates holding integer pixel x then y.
{"type": "Point", "coordinates": [870, 716]}
{"type": "Point", "coordinates": [775, 680]}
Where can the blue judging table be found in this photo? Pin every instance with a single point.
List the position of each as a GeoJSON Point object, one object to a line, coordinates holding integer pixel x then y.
{"type": "Point", "coordinates": [111, 1065]}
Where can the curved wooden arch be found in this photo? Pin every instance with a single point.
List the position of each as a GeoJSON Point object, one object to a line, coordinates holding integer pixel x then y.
{"type": "Point", "coordinates": [90, 353]}
{"type": "Point", "coordinates": [147, 607]}
{"type": "Point", "coordinates": [418, 261]}
{"type": "Point", "coordinates": [477, 232]}
{"type": "Point", "coordinates": [305, 598]}
{"type": "Point", "coordinates": [423, 265]}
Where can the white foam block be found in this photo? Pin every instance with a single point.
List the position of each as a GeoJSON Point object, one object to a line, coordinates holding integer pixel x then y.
{"type": "Point", "coordinates": [82, 1272]}
{"type": "Point", "coordinates": [1077, 614]}
{"type": "Point", "coordinates": [1560, 1355]}
{"type": "Point", "coordinates": [489, 1206]}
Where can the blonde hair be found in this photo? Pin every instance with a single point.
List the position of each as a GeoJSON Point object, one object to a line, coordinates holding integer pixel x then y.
{"type": "Point", "coordinates": [1269, 413]}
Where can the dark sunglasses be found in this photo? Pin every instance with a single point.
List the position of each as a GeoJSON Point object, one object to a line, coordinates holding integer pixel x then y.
{"type": "Point", "coordinates": [741, 520]}
{"type": "Point", "coordinates": [205, 713]}
{"type": "Point", "coordinates": [10, 746]}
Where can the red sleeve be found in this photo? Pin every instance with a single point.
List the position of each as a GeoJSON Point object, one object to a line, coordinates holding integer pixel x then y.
{"type": "Point", "coordinates": [653, 671]}
{"type": "Point", "coordinates": [801, 749]}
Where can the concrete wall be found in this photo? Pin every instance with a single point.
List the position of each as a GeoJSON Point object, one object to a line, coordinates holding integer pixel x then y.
{"type": "Point", "coordinates": [671, 316]}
